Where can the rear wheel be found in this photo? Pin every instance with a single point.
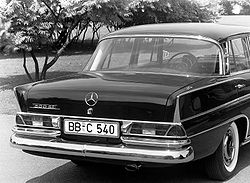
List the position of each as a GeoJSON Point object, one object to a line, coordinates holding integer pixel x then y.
{"type": "Point", "coordinates": [221, 165]}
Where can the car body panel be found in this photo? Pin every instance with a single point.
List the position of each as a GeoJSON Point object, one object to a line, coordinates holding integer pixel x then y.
{"type": "Point", "coordinates": [139, 102]}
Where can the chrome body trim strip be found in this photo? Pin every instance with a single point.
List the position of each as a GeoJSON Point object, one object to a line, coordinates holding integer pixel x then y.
{"type": "Point", "coordinates": [155, 142]}
{"type": "Point", "coordinates": [177, 111]}
{"type": "Point", "coordinates": [36, 132]}
{"type": "Point", "coordinates": [247, 131]}
{"type": "Point", "coordinates": [237, 100]}
{"type": "Point", "coordinates": [246, 141]}
{"type": "Point", "coordinates": [115, 152]}
{"type": "Point", "coordinates": [210, 85]}
{"type": "Point", "coordinates": [217, 126]}
{"type": "Point", "coordinates": [16, 100]}
{"type": "Point", "coordinates": [33, 126]}
{"type": "Point", "coordinates": [155, 136]}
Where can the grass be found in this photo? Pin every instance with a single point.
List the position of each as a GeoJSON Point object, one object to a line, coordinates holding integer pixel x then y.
{"type": "Point", "coordinates": [12, 74]}
{"type": "Point", "coordinates": [12, 71]}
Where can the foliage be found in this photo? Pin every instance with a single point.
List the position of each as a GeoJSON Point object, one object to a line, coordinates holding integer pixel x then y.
{"type": "Point", "coordinates": [226, 7]}
{"type": "Point", "coordinates": [6, 44]}
{"type": "Point", "coordinates": [43, 24]}
{"type": "Point", "coordinates": [51, 25]}
{"type": "Point", "coordinates": [245, 7]}
{"type": "Point", "coordinates": [167, 11]}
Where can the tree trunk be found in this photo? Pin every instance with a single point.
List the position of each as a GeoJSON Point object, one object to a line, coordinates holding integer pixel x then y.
{"type": "Point", "coordinates": [84, 34]}
{"type": "Point", "coordinates": [43, 73]}
{"type": "Point", "coordinates": [36, 65]}
{"type": "Point", "coordinates": [25, 67]}
{"type": "Point", "coordinates": [93, 37]}
{"type": "Point", "coordinates": [53, 61]}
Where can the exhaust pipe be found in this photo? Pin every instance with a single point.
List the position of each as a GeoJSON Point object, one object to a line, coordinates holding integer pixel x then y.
{"type": "Point", "coordinates": [132, 167]}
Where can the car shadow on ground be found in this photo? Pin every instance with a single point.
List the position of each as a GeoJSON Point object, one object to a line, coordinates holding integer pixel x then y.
{"type": "Point", "coordinates": [191, 172]}
{"type": "Point", "coordinates": [110, 173]}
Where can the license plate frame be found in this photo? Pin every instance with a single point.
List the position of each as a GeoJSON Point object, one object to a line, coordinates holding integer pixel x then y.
{"type": "Point", "coordinates": [81, 132]}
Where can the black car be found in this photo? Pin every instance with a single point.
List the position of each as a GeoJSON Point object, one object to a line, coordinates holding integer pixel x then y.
{"type": "Point", "coordinates": [150, 95]}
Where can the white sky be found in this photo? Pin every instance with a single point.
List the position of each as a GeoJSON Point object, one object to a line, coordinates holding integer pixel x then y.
{"type": "Point", "coordinates": [2, 3]}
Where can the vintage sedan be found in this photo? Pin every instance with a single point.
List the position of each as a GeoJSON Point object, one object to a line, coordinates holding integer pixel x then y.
{"type": "Point", "coordinates": [150, 95]}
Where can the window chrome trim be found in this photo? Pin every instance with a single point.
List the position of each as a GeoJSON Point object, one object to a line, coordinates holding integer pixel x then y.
{"type": "Point", "coordinates": [239, 72]}
{"type": "Point", "coordinates": [197, 37]}
{"type": "Point", "coordinates": [163, 73]}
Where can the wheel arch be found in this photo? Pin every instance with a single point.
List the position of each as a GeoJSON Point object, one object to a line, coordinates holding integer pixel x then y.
{"type": "Point", "coordinates": [242, 123]}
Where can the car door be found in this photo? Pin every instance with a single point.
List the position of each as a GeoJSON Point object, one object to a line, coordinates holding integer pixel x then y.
{"type": "Point", "coordinates": [239, 59]}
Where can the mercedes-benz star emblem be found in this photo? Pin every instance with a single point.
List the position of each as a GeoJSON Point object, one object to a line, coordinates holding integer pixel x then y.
{"type": "Point", "coordinates": [91, 99]}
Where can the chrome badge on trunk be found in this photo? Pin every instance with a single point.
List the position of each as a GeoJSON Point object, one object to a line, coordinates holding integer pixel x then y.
{"type": "Point", "coordinates": [44, 106]}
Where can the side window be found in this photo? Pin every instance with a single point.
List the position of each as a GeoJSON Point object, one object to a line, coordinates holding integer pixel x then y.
{"type": "Point", "coordinates": [238, 54]}
{"type": "Point", "coordinates": [147, 51]}
{"type": "Point", "coordinates": [119, 53]}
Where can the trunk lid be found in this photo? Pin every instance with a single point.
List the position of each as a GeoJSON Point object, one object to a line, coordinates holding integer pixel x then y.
{"type": "Point", "coordinates": [121, 95]}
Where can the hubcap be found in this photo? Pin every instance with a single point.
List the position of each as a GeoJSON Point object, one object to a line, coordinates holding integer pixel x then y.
{"type": "Point", "coordinates": [229, 147]}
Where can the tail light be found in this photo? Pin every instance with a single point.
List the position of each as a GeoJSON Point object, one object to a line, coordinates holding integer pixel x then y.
{"type": "Point", "coordinates": [38, 120]}
{"type": "Point", "coordinates": [155, 134]}
{"type": "Point", "coordinates": [156, 130]}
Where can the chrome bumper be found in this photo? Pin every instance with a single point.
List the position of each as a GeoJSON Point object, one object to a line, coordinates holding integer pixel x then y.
{"type": "Point", "coordinates": [112, 152]}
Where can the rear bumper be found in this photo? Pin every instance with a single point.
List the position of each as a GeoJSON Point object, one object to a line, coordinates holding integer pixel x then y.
{"type": "Point", "coordinates": [111, 152]}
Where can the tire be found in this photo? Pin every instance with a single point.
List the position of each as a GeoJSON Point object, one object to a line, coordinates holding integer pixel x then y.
{"type": "Point", "coordinates": [221, 165]}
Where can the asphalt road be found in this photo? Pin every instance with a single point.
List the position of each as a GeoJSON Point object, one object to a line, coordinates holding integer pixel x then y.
{"type": "Point", "coordinates": [16, 166]}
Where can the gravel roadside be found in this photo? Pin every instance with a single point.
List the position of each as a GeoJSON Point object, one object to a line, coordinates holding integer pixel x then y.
{"type": "Point", "coordinates": [8, 103]}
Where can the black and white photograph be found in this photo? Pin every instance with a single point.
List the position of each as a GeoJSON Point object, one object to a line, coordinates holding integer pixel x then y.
{"type": "Point", "coordinates": [124, 91]}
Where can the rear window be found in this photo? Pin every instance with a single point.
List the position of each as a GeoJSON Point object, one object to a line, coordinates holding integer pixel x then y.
{"type": "Point", "coordinates": [156, 54]}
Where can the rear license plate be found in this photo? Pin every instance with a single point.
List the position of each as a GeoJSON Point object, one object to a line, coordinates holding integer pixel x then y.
{"type": "Point", "coordinates": [91, 128]}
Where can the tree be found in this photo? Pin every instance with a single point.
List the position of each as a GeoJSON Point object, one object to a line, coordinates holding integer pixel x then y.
{"type": "Point", "coordinates": [112, 13]}
{"type": "Point", "coordinates": [45, 25]}
{"type": "Point", "coordinates": [227, 7]}
{"type": "Point", "coordinates": [245, 7]}
{"type": "Point", "coordinates": [167, 11]}
{"type": "Point", "coordinates": [108, 13]}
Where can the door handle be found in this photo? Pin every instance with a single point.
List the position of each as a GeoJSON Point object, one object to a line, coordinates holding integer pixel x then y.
{"type": "Point", "coordinates": [239, 86]}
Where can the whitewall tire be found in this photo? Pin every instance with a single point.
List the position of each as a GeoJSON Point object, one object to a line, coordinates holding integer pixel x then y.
{"type": "Point", "coordinates": [221, 165]}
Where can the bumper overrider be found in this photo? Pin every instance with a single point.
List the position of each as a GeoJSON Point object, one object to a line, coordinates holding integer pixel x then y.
{"type": "Point", "coordinates": [131, 149]}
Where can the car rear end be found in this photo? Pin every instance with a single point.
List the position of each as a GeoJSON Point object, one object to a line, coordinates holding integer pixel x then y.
{"type": "Point", "coordinates": [124, 141]}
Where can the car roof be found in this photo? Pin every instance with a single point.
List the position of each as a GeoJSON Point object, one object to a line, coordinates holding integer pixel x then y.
{"type": "Point", "coordinates": [214, 31]}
